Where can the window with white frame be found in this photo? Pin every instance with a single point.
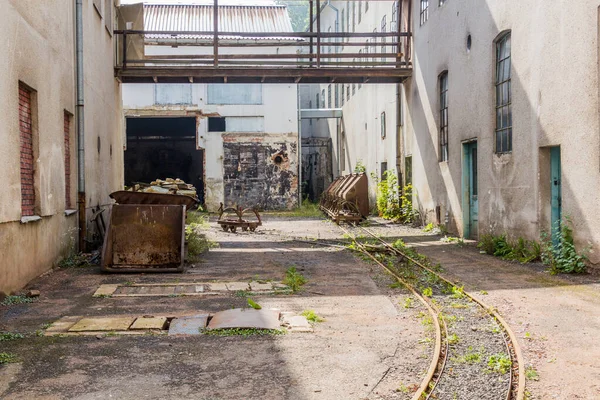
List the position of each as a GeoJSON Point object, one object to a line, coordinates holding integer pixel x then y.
{"type": "Point", "coordinates": [424, 11]}
{"type": "Point", "coordinates": [503, 95]}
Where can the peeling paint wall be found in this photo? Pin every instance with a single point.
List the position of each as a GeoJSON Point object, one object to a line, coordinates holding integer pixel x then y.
{"type": "Point", "coordinates": [261, 171]}
{"type": "Point", "coordinates": [273, 122]}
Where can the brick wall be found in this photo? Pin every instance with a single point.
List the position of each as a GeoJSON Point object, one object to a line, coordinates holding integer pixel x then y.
{"type": "Point", "coordinates": [67, 129]}
{"type": "Point", "coordinates": [26, 134]}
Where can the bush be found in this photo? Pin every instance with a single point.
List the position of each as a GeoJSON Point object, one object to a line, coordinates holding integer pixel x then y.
{"type": "Point", "coordinates": [560, 255]}
{"type": "Point", "coordinates": [197, 243]}
{"type": "Point", "coordinates": [391, 204]}
{"type": "Point", "coordinates": [521, 250]}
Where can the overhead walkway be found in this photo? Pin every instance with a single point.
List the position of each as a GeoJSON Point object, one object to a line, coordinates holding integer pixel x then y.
{"type": "Point", "coordinates": [255, 44]}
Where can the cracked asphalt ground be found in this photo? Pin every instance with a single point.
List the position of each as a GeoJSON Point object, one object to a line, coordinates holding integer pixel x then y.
{"type": "Point", "coordinates": [369, 346]}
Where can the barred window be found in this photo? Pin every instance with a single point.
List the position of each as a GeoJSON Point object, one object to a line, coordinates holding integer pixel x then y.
{"type": "Point", "coordinates": [424, 11]}
{"type": "Point", "coordinates": [444, 116]}
{"type": "Point", "coordinates": [503, 96]}
{"type": "Point", "coordinates": [337, 95]}
{"type": "Point", "coordinates": [323, 98]}
{"type": "Point", "coordinates": [329, 96]}
{"type": "Point", "coordinates": [343, 91]}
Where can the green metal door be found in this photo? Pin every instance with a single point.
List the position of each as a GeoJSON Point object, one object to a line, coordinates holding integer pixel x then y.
{"type": "Point", "coordinates": [555, 189]}
{"type": "Point", "coordinates": [470, 191]}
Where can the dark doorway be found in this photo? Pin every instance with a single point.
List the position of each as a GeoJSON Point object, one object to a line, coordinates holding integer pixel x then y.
{"type": "Point", "coordinates": [159, 148]}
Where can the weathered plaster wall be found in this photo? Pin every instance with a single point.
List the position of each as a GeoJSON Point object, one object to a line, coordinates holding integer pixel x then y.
{"type": "Point", "coordinates": [260, 170]}
{"type": "Point", "coordinates": [38, 50]}
{"type": "Point", "coordinates": [555, 103]}
{"type": "Point", "coordinates": [278, 108]}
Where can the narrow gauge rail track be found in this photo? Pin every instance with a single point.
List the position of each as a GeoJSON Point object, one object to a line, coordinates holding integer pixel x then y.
{"type": "Point", "coordinates": [437, 370]}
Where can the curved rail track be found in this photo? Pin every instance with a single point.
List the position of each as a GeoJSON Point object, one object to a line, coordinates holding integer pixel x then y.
{"type": "Point", "coordinates": [427, 390]}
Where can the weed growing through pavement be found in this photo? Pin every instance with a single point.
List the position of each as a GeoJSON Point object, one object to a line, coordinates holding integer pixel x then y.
{"type": "Point", "coordinates": [428, 292]}
{"type": "Point", "coordinates": [458, 292]}
{"type": "Point", "coordinates": [453, 339]}
{"type": "Point", "coordinates": [6, 358]}
{"type": "Point", "coordinates": [531, 374]}
{"type": "Point", "coordinates": [18, 299]}
{"type": "Point", "coordinates": [471, 356]}
{"type": "Point", "coordinates": [408, 302]}
{"type": "Point", "coordinates": [254, 304]}
{"type": "Point", "coordinates": [499, 363]}
{"type": "Point", "coordinates": [7, 336]}
{"type": "Point", "coordinates": [312, 316]}
{"type": "Point", "coordinates": [243, 332]}
{"type": "Point", "coordinates": [75, 261]}
{"type": "Point", "coordinates": [293, 279]}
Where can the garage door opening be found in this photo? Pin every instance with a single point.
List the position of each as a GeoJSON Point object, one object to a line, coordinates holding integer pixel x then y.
{"type": "Point", "coordinates": [159, 148]}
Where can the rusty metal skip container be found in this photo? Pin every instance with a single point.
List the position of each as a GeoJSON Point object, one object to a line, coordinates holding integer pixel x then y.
{"type": "Point", "coordinates": [145, 233]}
{"type": "Point", "coordinates": [347, 198]}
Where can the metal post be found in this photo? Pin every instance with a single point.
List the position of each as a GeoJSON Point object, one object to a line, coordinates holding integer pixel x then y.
{"type": "Point", "coordinates": [318, 33]}
{"type": "Point", "coordinates": [399, 23]}
{"type": "Point", "coordinates": [124, 49]}
{"type": "Point", "coordinates": [80, 125]}
{"type": "Point", "coordinates": [310, 4]}
{"type": "Point", "coordinates": [216, 32]}
{"type": "Point", "coordinates": [409, 31]}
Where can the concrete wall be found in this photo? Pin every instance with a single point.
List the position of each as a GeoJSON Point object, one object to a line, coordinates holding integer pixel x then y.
{"type": "Point", "coordinates": [555, 103]}
{"type": "Point", "coordinates": [38, 50]}
{"type": "Point", "coordinates": [279, 110]}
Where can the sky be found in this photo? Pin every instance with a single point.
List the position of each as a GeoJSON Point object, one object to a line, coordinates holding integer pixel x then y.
{"type": "Point", "coordinates": [221, 2]}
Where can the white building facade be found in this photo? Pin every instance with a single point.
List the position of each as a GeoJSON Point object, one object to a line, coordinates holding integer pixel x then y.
{"type": "Point", "coordinates": [237, 143]}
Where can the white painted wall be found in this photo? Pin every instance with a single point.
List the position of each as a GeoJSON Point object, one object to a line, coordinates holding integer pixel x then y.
{"type": "Point", "coordinates": [278, 114]}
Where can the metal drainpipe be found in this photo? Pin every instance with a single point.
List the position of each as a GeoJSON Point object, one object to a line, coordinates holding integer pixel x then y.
{"type": "Point", "coordinates": [80, 124]}
{"type": "Point", "coordinates": [298, 99]}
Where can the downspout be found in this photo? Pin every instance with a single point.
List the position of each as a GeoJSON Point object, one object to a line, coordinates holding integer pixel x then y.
{"type": "Point", "coordinates": [80, 124]}
{"type": "Point", "coordinates": [299, 105]}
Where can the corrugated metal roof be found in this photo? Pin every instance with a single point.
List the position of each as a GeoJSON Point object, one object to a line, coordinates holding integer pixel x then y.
{"type": "Point", "coordinates": [247, 19]}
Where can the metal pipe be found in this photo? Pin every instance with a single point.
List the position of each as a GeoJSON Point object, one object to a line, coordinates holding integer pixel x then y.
{"type": "Point", "coordinates": [81, 198]}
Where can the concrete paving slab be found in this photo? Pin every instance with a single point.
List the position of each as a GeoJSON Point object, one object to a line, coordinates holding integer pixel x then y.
{"type": "Point", "coordinates": [102, 324]}
{"type": "Point", "coordinates": [216, 286]}
{"type": "Point", "coordinates": [279, 286]}
{"type": "Point", "coordinates": [297, 323]}
{"type": "Point", "coordinates": [106, 290]}
{"type": "Point", "coordinates": [235, 286]}
{"type": "Point", "coordinates": [63, 324]}
{"type": "Point", "coordinates": [188, 325]}
{"type": "Point", "coordinates": [258, 286]}
{"type": "Point", "coordinates": [149, 323]}
{"type": "Point", "coordinates": [245, 318]}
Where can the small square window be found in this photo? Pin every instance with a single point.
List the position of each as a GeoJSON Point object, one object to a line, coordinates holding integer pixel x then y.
{"type": "Point", "coordinates": [216, 124]}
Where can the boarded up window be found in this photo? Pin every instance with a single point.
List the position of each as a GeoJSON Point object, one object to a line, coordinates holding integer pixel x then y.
{"type": "Point", "coordinates": [171, 94]}
{"type": "Point", "coordinates": [67, 136]}
{"type": "Point", "coordinates": [245, 124]}
{"type": "Point", "coordinates": [235, 94]}
{"type": "Point", "coordinates": [26, 134]}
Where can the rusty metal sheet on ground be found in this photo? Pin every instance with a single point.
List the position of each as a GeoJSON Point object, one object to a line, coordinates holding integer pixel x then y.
{"type": "Point", "coordinates": [102, 324]}
{"type": "Point", "coordinates": [245, 318]}
{"type": "Point", "coordinates": [188, 325]}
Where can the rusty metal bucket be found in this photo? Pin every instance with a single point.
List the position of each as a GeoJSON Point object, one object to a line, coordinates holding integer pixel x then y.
{"type": "Point", "coordinates": [347, 199]}
{"type": "Point", "coordinates": [146, 236]}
